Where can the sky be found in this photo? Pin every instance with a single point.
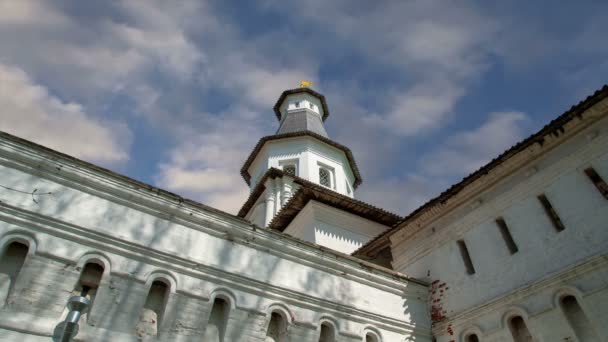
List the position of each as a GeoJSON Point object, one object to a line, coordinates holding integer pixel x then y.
{"type": "Point", "coordinates": [177, 93]}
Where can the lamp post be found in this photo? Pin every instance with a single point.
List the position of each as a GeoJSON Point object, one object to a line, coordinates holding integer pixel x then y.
{"type": "Point", "coordinates": [66, 330]}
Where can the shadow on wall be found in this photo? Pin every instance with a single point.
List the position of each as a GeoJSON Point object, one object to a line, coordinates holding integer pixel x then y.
{"type": "Point", "coordinates": [144, 308]}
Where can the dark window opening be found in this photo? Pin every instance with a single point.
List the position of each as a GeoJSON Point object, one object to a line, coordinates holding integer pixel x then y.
{"type": "Point", "coordinates": [506, 235]}
{"type": "Point", "coordinates": [519, 330]}
{"type": "Point", "coordinates": [369, 337]}
{"type": "Point", "coordinates": [218, 319]}
{"type": "Point", "coordinates": [578, 320]}
{"type": "Point", "coordinates": [597, 180]}
{"type": "Point", "coordinates": [88, 283]}
{"type": "Point", "coordinates": [11, 263]}
{"type": "Point", "coordinates": [551, 213]}
{"type": "Point", "coordinates": [277, 328]}
{"type": "Point", "coordinates": [466, 257]}
{"type": "Point", "coordinates": [327, 333]}
{"type": "Point", "coordinates": [472, 338]}
{"type": "Point", "coordinates": [151, 315]}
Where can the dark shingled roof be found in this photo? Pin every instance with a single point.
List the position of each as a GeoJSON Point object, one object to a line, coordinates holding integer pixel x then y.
{"type": "Point", "coordinates": [264, 140]}
{"type": "Point", "coordinates": [554, 127]}
{"type": "Point", "coordinates": [298, 91]}
{"type": "Point", "coordinates": [311, 191]}
{"type": "Point", "coordinates": [303, 120]}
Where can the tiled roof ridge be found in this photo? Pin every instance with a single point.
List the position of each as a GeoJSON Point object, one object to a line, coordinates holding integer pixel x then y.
{"type": "Point", "coordinates": [538, 137]}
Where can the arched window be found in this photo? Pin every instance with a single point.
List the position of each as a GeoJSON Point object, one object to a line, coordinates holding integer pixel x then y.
{"type": "Point", "coordinates": [472, 338]}
{"type": "Point", "coordinates": [328, 333]}
{"type": "Point", "coordinates": [277, 328]}
{"type": "Point", "coordinates": [519, 330]}
{"type": "Point", "coordinates": [11, 262]}
{"type": "Point", "coordinates": [88, 283]}
{"type": "Point", "coordinates": [151, 315]}
{"type": "Point", "coordinates": [578, 320]}
{"type": "Point", "coordinates": [371, 337]}
{"type": "Point", "coordinates": [218, 319]}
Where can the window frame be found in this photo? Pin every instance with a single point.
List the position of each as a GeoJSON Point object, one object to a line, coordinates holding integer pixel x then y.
{"type": "Point", "coordinates": [290, 162]}
{"type": "Point", "coordinates": [331, 174]}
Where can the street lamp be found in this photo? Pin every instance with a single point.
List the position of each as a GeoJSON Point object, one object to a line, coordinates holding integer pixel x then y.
{"type": "Point", "coordinates": [66, 330]}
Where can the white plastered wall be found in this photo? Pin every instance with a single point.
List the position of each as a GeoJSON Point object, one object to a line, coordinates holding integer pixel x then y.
{"type": "Point", "coordinates": [547, 260]}
{"type": "Point", "coordinates": [333, 228]}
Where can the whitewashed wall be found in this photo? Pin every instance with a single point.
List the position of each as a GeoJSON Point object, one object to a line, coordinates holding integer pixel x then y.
{"type": "Point", "coordinates": [333, 228]}
{"type": "Point", "coordinates": [548, 264]}
{"type": "Point", "coordinates": [140, 233]}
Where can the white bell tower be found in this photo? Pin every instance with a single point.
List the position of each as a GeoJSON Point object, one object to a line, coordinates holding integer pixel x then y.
{"type": "Point", "coordinates": [302, 149]}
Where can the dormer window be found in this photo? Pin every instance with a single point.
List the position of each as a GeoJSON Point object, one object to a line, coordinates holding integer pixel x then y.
{"type": "Point", "coordinates": [348, 189]}
{"type": "Point", "coordinates": [325, 177]}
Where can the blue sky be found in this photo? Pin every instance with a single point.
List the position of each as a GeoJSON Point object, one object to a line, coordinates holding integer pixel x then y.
{"type": "Point", "coordinates": [176, 94]}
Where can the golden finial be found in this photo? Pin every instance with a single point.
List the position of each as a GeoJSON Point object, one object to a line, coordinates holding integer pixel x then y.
{"type": "Point", "coordinates": [305, 84]}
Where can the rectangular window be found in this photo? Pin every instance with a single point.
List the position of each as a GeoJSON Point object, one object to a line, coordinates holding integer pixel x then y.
{"type": "Point", "coordinates": [289, 167]}
{"type": "Point", "coordinates": [324, 177]}
{"type": "Point", "coordinates": [506, 235]}
{"type": "Point", "coordinates": [327, 177]}
{"type": "Point", "coordinates": [555, 220]}
{"type": "Point", "coordinates": [599, 183]}
{"type": "Point", "coordinates": [466, 257]}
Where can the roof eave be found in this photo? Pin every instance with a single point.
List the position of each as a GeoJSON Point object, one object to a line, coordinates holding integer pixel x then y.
{"type": "Point", "coordinates": [288, 92]}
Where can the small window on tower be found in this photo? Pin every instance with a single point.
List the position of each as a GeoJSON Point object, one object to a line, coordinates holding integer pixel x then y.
{"type": "Point", "coordinates": [290, 169]}
{"type": "Point", "coordinates": [297, 104]}
{"type": "Point", "coordinates": [312, 106]}
{"type": "Point", "coordinates": [324, 177]}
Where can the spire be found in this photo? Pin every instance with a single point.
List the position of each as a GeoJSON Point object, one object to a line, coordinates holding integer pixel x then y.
{"type": "Point", "coordinates": [301, 109]}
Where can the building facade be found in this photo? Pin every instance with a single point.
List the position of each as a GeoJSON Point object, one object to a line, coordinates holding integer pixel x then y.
{"type": "Point", "coordinates": [517, 251]}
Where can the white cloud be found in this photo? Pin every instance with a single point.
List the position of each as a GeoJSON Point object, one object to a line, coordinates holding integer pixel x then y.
{"type": "Point", "coordinates": [422, 108]}
{"type": "Point", "coordinates": [29, 111]}
{"type": "Point", "coordinates": [457, 156]}
{"type": "Point", "coordinates": [32, 13]}
{"type": "Point", "coordinates": [465, 152]}
{"type": "Point", "coordinates": [206, 166]}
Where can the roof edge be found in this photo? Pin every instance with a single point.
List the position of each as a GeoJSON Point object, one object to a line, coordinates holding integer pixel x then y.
{"type": "Point", "coordinates": [539, 137]}
{"type": "Point", "coordinates": [258, 147]}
